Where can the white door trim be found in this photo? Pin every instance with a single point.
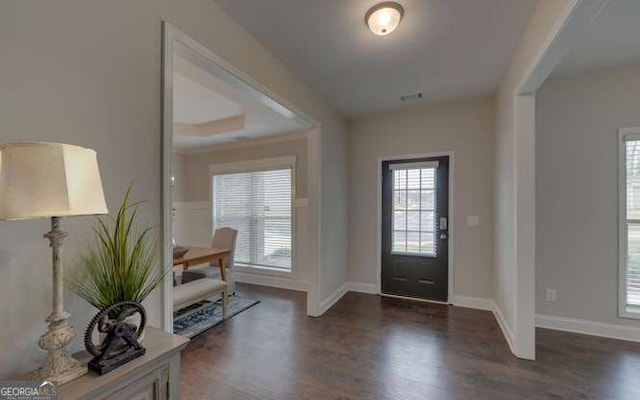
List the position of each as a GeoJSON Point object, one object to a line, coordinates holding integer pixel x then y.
{"type": "Point", "coordinates": [577, 15]}
{"type": "Point", "coordinates": [451, 156]}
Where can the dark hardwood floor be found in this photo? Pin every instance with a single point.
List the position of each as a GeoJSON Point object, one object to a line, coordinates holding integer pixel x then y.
{"type": "Point", "coordinates": [367, 347]}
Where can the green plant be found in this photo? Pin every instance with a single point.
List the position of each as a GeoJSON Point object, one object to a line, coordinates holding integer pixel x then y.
{"type": "Point", "coordinates": [121, 265]}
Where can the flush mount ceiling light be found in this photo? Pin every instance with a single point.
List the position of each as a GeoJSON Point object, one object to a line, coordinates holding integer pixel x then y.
{"type": "Point", "coordinates": [384, 18]}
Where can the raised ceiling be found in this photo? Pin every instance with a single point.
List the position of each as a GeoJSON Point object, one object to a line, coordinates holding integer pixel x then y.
{"type": "Point", "coordinates": [208, 111]}
{"type": "Point", "coordinates": [445, 49]}
{"type": "Point", "coordinates": [193, 103]}
{"type": "Point", "coordinates": [612, 40]}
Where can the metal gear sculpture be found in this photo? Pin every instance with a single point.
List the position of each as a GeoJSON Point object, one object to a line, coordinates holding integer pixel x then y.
{"type": "Point", "coordinates": [120, 344]}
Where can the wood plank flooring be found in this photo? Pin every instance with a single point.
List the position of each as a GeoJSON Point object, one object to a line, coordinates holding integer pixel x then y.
{"type": "Point", "coordinates": [367, 347]}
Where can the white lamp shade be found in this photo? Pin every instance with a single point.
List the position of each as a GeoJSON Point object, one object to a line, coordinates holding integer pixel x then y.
{"type": "Point", "coordinates": [40, 180]}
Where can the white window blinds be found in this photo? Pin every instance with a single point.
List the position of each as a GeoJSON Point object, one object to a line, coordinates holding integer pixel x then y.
{"type": "Point", "coordinates": [632, 225]}
{"type": "Point", "coordinates": [258, 205]}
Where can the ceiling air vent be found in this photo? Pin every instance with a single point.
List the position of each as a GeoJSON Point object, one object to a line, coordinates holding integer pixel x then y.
{"type": "Point", "coordinates": [411, 97]}
{"type": "Point", "coordinates": [238, 138]}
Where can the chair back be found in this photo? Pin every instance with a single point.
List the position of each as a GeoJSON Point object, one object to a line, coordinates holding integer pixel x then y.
{"type": "Point", "coordinates": [225, 238]}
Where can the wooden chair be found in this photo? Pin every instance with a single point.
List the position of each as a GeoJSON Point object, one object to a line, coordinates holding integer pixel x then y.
{"type": "Point", "coordinates": [223, 238]}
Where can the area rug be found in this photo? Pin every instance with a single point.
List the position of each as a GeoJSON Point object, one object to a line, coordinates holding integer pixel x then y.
{"type": "Point", "coordinates": [197, 318]}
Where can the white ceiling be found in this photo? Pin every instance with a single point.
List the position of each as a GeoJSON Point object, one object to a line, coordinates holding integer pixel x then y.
{"type": "Point", "coordinates": [446, 49]}
{"type": "Point", "coordinates": [199, 97]}
{"type": "Point", "coordinates": [612, 40]}
{"type": "Point", "coordinates": [195, 104]}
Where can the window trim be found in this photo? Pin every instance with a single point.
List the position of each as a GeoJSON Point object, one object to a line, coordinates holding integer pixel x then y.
{"type": "Point", "coordinates": [624, 135]}
{"type": "Point", "coordinates": [407, 166]}
{"type": "Point", "coordinates": [256, 165]}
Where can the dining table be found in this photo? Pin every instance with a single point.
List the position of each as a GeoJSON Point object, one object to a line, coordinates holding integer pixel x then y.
{"type": "Point", "coordinates": [202, 255]}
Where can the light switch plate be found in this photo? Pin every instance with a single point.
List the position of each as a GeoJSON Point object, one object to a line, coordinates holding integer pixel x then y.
{"type": "Point", "coordinates": [473, 220]}
{"type": "Point", "coordinates": [550, 294]}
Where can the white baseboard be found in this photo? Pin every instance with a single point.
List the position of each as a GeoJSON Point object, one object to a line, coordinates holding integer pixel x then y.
{"type": "Point", "coordinates": [506, 331]}
{"type": "Point", "coordinates": [369, 288]}
{"type": "Point", "coordinates": [333, 298]}
{"type": "Point", "coordinates": [488, 305]}
{"type": "Point", "coordinates": [612, 331]}
{"type": "Point", "coordinates": [473, 302]}
{"type": "Point", "coordinates": [268, 280]}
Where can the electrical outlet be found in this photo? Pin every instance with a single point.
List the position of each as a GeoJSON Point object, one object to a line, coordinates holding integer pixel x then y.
{"type": "Point", "coordinates": [550, 294]}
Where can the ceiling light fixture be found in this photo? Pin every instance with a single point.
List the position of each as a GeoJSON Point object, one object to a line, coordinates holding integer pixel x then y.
{"type": "Point", "coordinates": [384, 18]}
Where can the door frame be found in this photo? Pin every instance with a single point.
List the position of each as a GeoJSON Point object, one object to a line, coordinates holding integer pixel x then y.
{"type": "Point", "coordinates": [451, 155]}
{"type": "Point", "coordinates": [229, 73]}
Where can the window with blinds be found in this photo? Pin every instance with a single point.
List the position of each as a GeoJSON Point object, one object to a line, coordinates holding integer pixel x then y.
{"type": "Point", "coordinates": [258, 205]}
{"type": "Point", "coordinates": [414, 194]}
{"type": "Point", "coordinates": [631, 225]}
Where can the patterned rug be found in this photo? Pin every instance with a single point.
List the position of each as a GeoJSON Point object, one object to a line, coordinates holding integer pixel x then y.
{"type": "Point", "coordinates": [200, 317]}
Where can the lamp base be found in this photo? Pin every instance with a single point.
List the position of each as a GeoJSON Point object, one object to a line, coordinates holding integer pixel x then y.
{"type": "Point", "coordinates": [60, 367]}
{"type": "Point", "coordinates": [65, 369]}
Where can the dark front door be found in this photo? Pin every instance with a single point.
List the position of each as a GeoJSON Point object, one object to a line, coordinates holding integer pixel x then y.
{"type": "Point", "coordinates": [415, 235]}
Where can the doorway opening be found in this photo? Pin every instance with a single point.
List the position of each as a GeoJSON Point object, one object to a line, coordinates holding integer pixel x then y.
{"type": "Point", "coordinates": [224, 141]}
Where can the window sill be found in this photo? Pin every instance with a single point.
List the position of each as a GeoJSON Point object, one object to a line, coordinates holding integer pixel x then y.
{"type": "Point", "coordinates": [252, 269]}
{"type": "Point", "coordinates": [630, 313]}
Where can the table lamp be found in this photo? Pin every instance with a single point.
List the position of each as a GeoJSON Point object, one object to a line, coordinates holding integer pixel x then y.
{"type": "Point", "coordinates": [51, 180]}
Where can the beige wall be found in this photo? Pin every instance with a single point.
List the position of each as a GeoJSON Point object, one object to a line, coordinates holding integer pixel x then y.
{"type": "Point", "coordinates": [466, 128]}
{"type": "Point", "coordinates": [578, 118]}
{"type": "Point", "coordinates": [88, 72]}
{"type": "Point", "coordinates": [197, 183]}
{"type": "Point", "coordinates": [334, 215]}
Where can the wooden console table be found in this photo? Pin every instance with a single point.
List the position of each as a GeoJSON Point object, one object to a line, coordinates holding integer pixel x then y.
{"type": "Point", "coordinates": [154, 376]}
